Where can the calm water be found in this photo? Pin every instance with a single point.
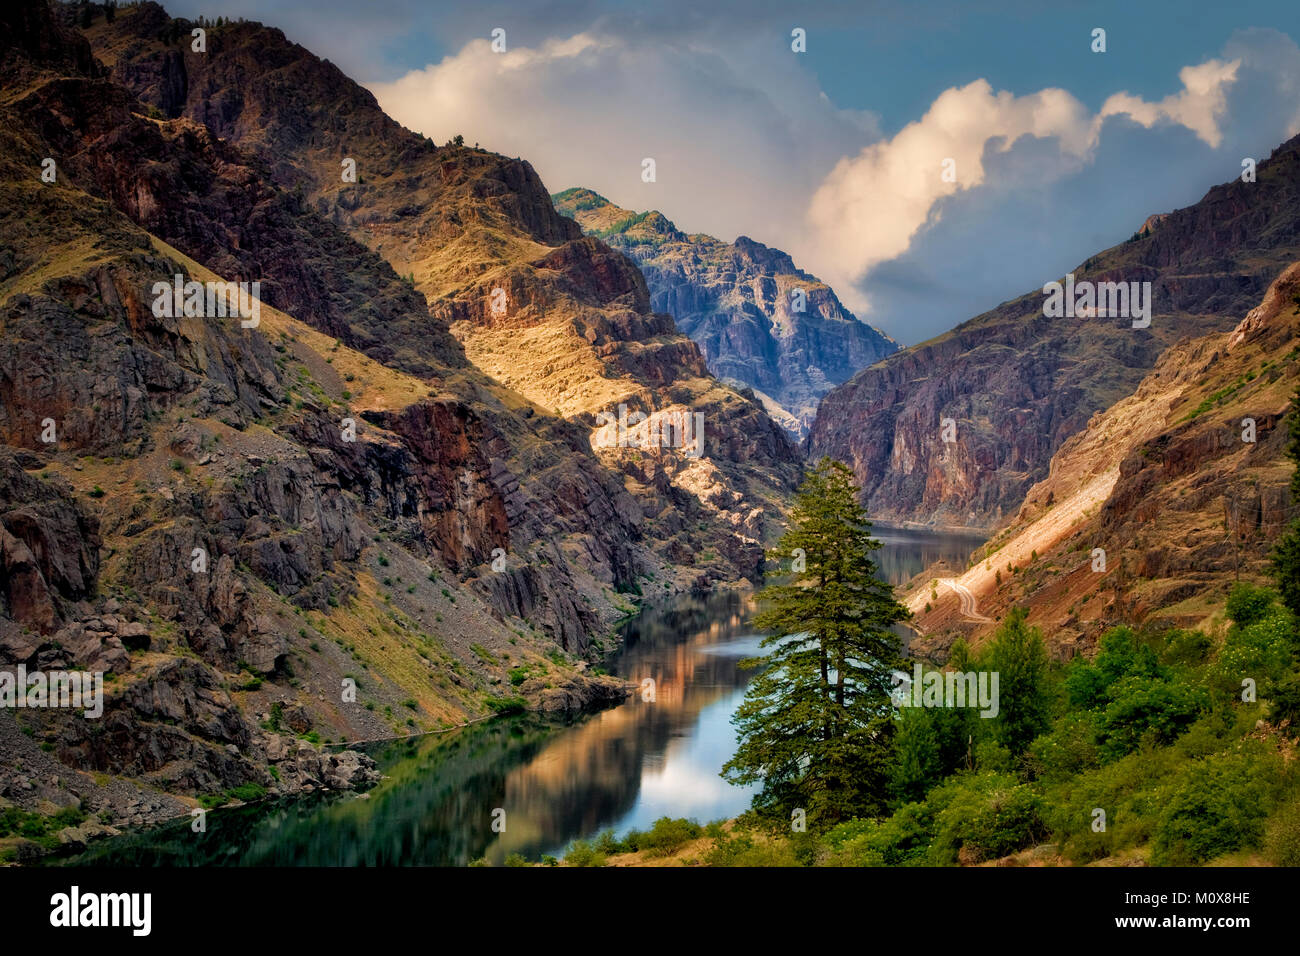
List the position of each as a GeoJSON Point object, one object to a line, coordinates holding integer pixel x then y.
{"type": "Point", "coordinates": [620, 769]}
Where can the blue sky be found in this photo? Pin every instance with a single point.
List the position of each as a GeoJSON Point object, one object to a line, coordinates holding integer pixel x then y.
{"type": "Point", "coordinates": [835, 154]}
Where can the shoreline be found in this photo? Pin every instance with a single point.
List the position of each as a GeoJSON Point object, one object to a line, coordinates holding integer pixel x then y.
{"type": "Point", "coordinates": [962, 531]}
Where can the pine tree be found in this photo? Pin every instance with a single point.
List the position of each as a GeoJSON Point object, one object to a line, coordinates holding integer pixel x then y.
{"type": "Point", "coordinates": [1019, 656]}
{"type": "Point", "coordinates": [816, 724]}
{"type": "Point", "coordinates": [1286, 557]}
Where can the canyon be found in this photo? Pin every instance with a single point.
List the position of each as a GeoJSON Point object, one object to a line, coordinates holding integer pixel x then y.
{"type": "Point", "coordinates": [760, 321]}
{"type": "Point", "coordinates": [1018, 384]}
{"type": "Point", "coordinates": [1151, 512]}
{"type": "Point", "coordinates": [352, 469]}
{"type": "Point", "coordinates": [461, 428]}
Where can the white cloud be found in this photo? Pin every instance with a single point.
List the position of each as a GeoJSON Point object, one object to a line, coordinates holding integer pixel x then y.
{"type": "Point", "coordinates": [871, 206]}
{"type": "Point", "coordinates": [740, 140]}
{"type": "Point", "coordinates": [748, 143]}
{"type": "Point", "coordinates": [1198, 106]}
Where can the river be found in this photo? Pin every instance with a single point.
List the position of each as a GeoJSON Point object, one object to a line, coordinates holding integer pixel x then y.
{"type": "Point", "coordinates": [619, 769]}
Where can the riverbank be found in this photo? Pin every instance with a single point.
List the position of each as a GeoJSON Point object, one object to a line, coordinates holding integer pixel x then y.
{"type": "Point", "coordinates": [557, 777]}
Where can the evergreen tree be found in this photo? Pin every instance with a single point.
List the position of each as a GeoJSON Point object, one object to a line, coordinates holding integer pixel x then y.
{"type": "Point", "coordinates": [931, 744]}
{"type": "Point", "coordinates": [816, 724]}
{"type": "Point", "coordinates": [1286, 557]}
{"type": "Point", "coordinates": [1019, 656]}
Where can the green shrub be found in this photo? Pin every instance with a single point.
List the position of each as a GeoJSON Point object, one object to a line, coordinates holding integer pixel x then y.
{"type": "Point", "coordinates": [986, 817]}
{"type": "Point", "coordinates": [1067, 750]}
{"type": "Point", "coordinates": [1218, 805]}
{"type": "Point", "coordinates": [1122, 654]}
{"type": "Point", "coordinates": [246, 792]}
{"type": "Point", "coordinates": [1211, 734]}
{"type": "Point", "coordinates": [743, 850]}
{"type": "Point", "coordinates": [1261, 651]}
{"type": "Point", "coordinates": [582, 853]}
{"type": "Point", "coordinates": [1146, 710]}
{"type": "Point", "coordinates": [669, 835]}
{"type": "Point", "coordinates": [1186, 648]}
{"type": "Point", "coordinates": [902, 839]}
{"type": "Point", "coordinates": [1131, 791]}
{"type": "Point", "coordinates": [1248, 604]}
{"type": "Point", "coordinates": [1284, 704]}
{"type": "Point", "coordinates": [1019, 656]}
{"type": "Point", "coordinates": [1282, 835]}
{"type": "Point", "coordinates": [608, 844]}
{"type": "Point", "coordinates": [930, 744]}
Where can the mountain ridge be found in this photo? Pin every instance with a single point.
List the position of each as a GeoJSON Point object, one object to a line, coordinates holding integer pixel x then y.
{"type": "Point", "coordinates": [1150, 512]}
{"type": "Point", "coordinates": [1017, 385]}
{"type": "Point", "coordinates": [233, 521]}
{"type": "Point", "coordinates": [735, 300]}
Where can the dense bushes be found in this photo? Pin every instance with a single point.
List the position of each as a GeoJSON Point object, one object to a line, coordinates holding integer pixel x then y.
{"type": "Point", "coordinates": [1282, 835]}
{"type": "Point", "coordinates": [1218, 805]}
{"type": "Point", "coordinates": [1151, 747]}
{"type": "Point", "coordinates": [1146, 710]}
{"type": "Point", "coordinates": [665, 837]}
{"type": "Point", "coordinates": [984, 817]}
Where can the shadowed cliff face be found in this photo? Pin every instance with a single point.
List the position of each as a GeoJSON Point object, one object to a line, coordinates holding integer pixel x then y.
{"type": "Point", "coordinates": [758, 319]}
{"type": "Point", "coordinates": [1153, 509]}
{"type": "Point", "coordinates": [559, 318]}
{"type": "Point", "coordinates": [1017, 384]}
{"type": "Point", "coordinates": [233, 520]}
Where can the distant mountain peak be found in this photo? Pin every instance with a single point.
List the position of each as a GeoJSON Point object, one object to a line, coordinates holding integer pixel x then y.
{"type": "Point", "coordinates": [760, 320]}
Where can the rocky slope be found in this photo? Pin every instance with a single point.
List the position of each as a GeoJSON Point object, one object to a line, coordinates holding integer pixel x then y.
{"type": "Point", "coordinates": [235, 523]}
{"type": "Point", "coordinates": [759, 320]}
{"type": "Point", "coordinates": [1017, 384]}
{"type": "Point", "coordinates": [562, 319]}
{"type": "Point", "coordinates": [1152, 510]}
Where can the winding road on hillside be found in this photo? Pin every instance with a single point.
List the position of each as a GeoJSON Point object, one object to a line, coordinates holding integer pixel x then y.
{"type": "Point", "coordinates": [968, 607]}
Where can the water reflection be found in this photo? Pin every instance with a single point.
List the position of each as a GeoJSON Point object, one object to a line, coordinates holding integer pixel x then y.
{"type": "Point", "coordinates": [619, 769]}
{"type": "Point", "coordinates": [648, 758]}
{"type": "Point", "coordinates": [907, 552]}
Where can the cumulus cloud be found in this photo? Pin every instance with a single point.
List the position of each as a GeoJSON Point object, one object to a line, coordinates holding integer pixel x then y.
{"type": "Point", "coordinates": [871, 206]}
{"type": "Point", "coordinates": [1198, 106]}
{"type": "Point", "coordinates": [1022, 227]}
{"type": "Point", "coordinates": [748, 143]}
{"type": "Point", "coordinates": [740, 139]}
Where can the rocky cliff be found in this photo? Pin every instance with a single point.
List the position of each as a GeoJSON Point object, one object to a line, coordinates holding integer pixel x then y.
{"type": "Point", "coordinates": [758, 319]}
{"type": "Point", "coordinates": [330, 523]}
{"type": "Point", "coordinates": [1152, 510]}
{"type": "Point", "coordinates": [563, 320]}
{"type": "Point", "coordinates": [1017, 384]}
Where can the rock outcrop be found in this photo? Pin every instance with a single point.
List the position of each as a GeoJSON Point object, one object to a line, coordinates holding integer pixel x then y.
{"type": "Point", "coordinates": [760, 321]}
{"type": "Point", "coordinates": [1016, 384]}
{"type": "Point", "coordinates": [1150, 512]}
{"type": "Point", "coordinates": [561, 319]}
